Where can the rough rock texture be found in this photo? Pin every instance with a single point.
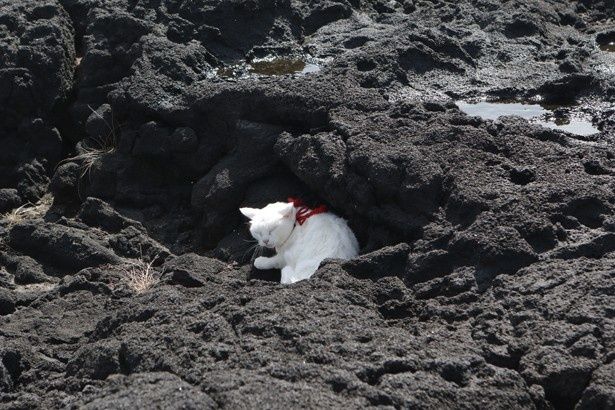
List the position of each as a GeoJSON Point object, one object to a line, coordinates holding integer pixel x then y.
{"type": "Point", "coordinates": [37, 60]}
{"type": "Point", "coordinates": [487, 269]}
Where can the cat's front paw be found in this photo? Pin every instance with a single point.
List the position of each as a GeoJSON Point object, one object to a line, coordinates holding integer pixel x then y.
{"type": "Point", "coordinates": [261, 262]}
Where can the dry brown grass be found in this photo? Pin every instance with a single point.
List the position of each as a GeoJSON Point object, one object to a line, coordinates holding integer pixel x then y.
{"type": "Point", "coordinates": [95, 149]}
{"type": "Point", "coordinates": [141, 275]}
{"type": "Point", "coordinates": [29, 211]}
{"type": "Point", "coordinates": [92, 154]}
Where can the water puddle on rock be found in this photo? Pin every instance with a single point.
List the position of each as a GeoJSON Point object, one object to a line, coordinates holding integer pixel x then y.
{"type": "Point", "coordinates": [227, 72]}
{"type": "Point", "coordinates": [547, 116]}
{"type": "Point", "coordinates": [35, 288]}
{"type": "Point", "coordinates": [492, 111]}
{"type": "Point", "coordinates": [610, 46]}
{"type": "Point", "coordinates": [270, 67]}
{"type": "Point", "coordinates": [282, 66]}
{"type": "Point", "coordinates": [606, 41]}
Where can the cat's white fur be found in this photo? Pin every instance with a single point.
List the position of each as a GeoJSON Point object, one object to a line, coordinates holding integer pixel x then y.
{"type": "Point", "coordinates": [299, 248]}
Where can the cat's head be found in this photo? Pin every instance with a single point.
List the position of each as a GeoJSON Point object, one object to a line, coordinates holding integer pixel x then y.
{"type": "Point", "coordinates": [272, 225]}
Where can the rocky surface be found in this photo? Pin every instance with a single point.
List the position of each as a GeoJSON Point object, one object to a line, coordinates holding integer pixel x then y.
{"type": "Point", "coordinates": [132, 131]}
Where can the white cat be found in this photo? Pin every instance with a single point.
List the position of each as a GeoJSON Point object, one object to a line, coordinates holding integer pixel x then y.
{"type": "Point", "coordinates": [302, 238]}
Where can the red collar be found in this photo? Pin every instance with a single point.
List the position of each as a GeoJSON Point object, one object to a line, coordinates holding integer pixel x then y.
{"type": "Point", "coordinates": [303, 212]}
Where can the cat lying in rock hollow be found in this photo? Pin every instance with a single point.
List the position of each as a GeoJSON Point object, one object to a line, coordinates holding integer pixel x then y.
{"type": "Point", "coordinates": [302, 238]}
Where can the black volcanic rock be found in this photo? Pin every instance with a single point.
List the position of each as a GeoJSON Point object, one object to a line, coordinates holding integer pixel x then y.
{"type": "Point", "coordinates": [25, 269]}
{"type": "Point", "coordinates": [97, 213]}
{"type": "Point", "coordinates": [36, 80]}
{"type": "Point", "coordinates": [7, 303]}
{"type": "Point", "coordinates": [38, 58]}
{"type": "Point", "coordinates": [60, 246]}
{"type": "Point", "coordinates": [158, 389]}
{"type": "Point", "coordinates": [9, 199]}
{"type": "Point", "coordinates": [600, 391]}
{"type": "Point", "coordinates": [485, 278]}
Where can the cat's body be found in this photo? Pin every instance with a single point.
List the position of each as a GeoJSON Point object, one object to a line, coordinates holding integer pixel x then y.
{"type": "Point", "coordinates": [300, 245]}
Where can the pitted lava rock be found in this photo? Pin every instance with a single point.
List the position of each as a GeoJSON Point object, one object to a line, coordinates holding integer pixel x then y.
{"type": "Point", "coordinates": [133, 130]}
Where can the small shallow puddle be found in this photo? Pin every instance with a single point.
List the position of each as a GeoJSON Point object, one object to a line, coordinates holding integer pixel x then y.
{"type": "Point", "coordinates": [610, 46]}
{"type": "Point", "coordinates": [282, 66]}
{"type": "Point", "coordinates": [269, 67]}
{"type": "Point", "coordinates": [606, 41]}
{"type": "Point", "coordinates": [575, 126]}
{"type": "Point", "coordinates": [492, 111]}
{"type": "Point", "coordinates": [535, 113]}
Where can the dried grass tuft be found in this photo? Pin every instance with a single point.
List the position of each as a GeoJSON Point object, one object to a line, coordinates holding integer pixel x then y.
{"type": "Point", "coordinates": [29, 211]}
{"type": "Point", "coordinates": [141, 275]}
{"type": "Point", "coordinates": [95, 148]}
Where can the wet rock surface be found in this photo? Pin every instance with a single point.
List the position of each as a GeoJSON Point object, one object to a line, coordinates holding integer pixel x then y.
{"type": "Point", "coordinates": [487, 268]}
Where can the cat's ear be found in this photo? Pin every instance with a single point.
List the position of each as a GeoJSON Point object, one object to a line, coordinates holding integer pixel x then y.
{"type": "Point", "coordinates": [287, 211]}
{"type": "Point", "coordinates": [249, 212]}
